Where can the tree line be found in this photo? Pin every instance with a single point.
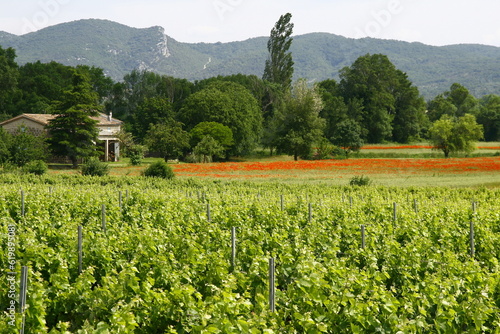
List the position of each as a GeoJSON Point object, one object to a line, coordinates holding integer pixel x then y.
{"type": "Point", "coordinates": [224, 116]}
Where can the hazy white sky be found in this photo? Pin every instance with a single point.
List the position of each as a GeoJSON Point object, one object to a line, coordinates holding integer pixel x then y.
{"type": "Point", "coordinates": [435, 22]}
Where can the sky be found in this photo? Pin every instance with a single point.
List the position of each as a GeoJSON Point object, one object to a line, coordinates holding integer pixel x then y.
{"type": "Point", "coordinates": [433, 22]}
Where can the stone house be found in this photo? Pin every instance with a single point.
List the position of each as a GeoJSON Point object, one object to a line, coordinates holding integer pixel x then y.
{"type": "Point", "coordinates": [107, 125]}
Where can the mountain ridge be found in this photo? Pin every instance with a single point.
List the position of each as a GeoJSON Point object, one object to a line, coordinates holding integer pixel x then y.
{"type": "Point", "coordinates": [119, 49]}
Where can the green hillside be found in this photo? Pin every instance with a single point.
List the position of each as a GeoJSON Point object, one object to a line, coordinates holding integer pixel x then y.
{"type": "Point", "coordinates": [119, 49]}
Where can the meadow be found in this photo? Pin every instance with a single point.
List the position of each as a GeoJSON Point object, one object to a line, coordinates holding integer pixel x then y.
{"type": "Point", "coordinates": [387, 165]}
{"type": "Point", "coordinates": [263, 246]}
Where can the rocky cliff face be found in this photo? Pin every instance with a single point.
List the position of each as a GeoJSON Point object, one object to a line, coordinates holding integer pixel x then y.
{"type": "Point", "coordinates": [158, 51]}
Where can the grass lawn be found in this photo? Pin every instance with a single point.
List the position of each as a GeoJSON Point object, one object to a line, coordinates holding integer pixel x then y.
{"type": "Point", "coordinates": [387, 164]}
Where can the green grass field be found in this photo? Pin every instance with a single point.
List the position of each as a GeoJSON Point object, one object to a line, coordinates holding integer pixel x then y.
{"type": "Point", "coordinates": [405, 167]}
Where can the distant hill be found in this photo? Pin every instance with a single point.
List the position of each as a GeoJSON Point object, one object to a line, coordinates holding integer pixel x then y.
{"type": "Point", "coordinates": [119, 49]}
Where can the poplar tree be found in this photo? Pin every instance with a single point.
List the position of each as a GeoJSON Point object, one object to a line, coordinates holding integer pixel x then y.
{"type": "Point", "coordinates": [279, 64]}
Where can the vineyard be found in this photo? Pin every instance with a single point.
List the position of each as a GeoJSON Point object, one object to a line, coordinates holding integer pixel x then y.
{"type": "Point", "coordinates": [131, 255]}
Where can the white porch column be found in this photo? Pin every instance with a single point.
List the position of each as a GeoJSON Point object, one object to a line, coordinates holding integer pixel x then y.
{"type": "Point", "coordinates": [106, 150]}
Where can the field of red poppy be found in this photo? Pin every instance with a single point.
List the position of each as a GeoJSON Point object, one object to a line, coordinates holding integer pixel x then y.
{"type": "Point", "coordinates": [453, 171]}
{"type": "Point", "coordinates": [397, 171]}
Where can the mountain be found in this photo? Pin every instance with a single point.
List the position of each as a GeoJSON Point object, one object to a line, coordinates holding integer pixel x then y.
{"type": "Point", "coordinates": [119, 49]}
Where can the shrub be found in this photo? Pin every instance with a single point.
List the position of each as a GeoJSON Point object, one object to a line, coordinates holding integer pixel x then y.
{"type": "Point", "coordinates": [37, 167]}
{"type": "Point", "coordinates": [94, 167]}
{"type": "Point", "coordinates": [324, 150]}
{"type": "Point", "coordinates": [159, 169]}
{"type": "Point", "coordinates": [136, 154]}
{"type": "Point", "coordinates": [8, 167]}
{"type": "Point", "coordinates": [360, 181]}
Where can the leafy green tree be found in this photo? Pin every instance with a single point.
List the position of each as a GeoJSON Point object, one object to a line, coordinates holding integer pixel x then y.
{"type": "Point", "coordinates": [25, 146]}
{"type": "Point", "coordinates": [130, 149]}
{"type": "Point", "coordinates": [440, 106]}
{"type": "Point", "coordinates": [334, 109]}
{"type": "Point", "coordinates": [73, 133]}
{"type": "Point", "coordinates": [300, 125]}
{"type": "Point", "coordinates": [128, 95]}
{"type": "Point", "coordinates": [279, 64]}
{"type": "Point", "coordinates": [450, 134]}
{"type": "Point", "coordinates": [175, 90]}
{"type": "Point", "coordinates": [230, 104]}
{"type": "Point", "coordinates": [153, 110]}
{"type": "Point", "coordinates": [139, 86]}
{"type": "Point", "coordinates": [168, 139]}
{"type": "Point", "coordinates": [348, 136]}
{"type": "Point", "coordinates": [390, 102]}
{"type": "Point", "coordinates": [43, 85]}
{"type": "Point", "coordinates": [456, 102]}
{"type": "Point", "coordinates": [461, 98]}
{"type": "Point", "coordinates": [489, 117]}
{"type": "Point", "coordinates": [410, 119]}
{"type": "Point", "coordinates": [5, 142]}
{"type": "Point", "coordinates": [219, 132]}
{"type": "Point", "coordinates": [101, 84]}
{"type": "Point", "coordinates": [208, 148]}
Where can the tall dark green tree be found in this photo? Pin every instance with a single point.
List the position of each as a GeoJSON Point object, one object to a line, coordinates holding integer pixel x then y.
{"type": "Point", "coordinates": [390, 101]}
{"type": "Point", "coordinates": [440, 106]}
{"type": "Point", "coordinates": [279, 64]}
{"type": "Point", "coordinates": [489, 117]}
{"type": "Point", "coordinates": [461, 98]}
{"type": "Point", "coordinates": [334, 108]}
{"type": "Point", "coordinates": [149, 112]}
{"type": "Point", "coordinates": [410, 120]}
{"type": "Point", "coordinates": [278, 74]}
{"type": "Point", "coordinates": [456, 102]}
{"type": "Point", "coordinates": [347, 136]}
{"type": "Point", "coordinates": [42, 85]}
{"type": "Point", "coordinates": [73, 133]}
{"type": "Point", "coordinates": [9, 75]}
{"type": "Point", "coordinates": [136, 87]}
{"type": "Point", "coordinates": [101, 84]}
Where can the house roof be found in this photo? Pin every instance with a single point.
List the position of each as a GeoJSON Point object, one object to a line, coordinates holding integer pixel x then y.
{"type": "Point", "coordinates": [44, 119]}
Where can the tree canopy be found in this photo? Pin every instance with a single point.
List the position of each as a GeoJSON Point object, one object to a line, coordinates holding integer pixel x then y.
{"type": "Point", "coordinates": [9, 76]}
{"type": "Point", "coordinates": [373, 102]}
{"type": "Point", "coordinates": [392, 107]}
{"type": "Point", "coordinates": [168, 139]}
{"type": "Point", "coordinates": [230, 104]}
{"type": "Point", "coordinates": [299, 127]}
{"type": "Point", "coordinates": [451, 134]}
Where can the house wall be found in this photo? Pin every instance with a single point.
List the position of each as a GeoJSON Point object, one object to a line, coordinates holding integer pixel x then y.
{"type": "Point", "coordinates": [36, 128]}
{"type": "Point", "coordinates": [108, 132]}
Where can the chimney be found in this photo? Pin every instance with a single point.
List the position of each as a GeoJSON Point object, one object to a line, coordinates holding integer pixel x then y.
{"type": "Point", "coordinates": [110, 116]}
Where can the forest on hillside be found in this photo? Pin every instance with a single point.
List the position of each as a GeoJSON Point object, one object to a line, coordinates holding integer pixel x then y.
{"type": "Point", "coordinates": [119, 49]}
